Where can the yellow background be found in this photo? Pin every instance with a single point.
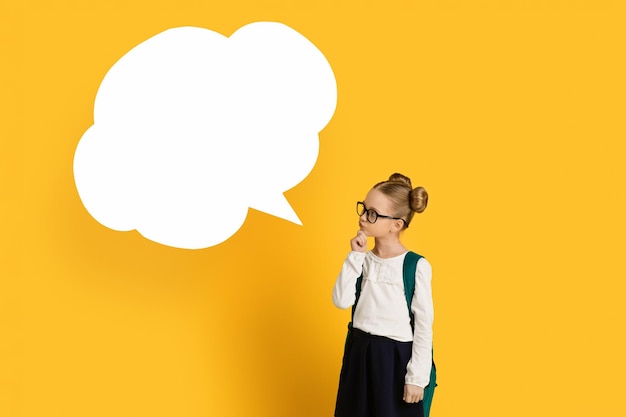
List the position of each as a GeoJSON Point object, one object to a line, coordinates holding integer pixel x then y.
{"type": "Point", "coordinates": [511, 114]}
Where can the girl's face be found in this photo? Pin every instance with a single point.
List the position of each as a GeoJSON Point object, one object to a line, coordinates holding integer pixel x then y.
{"type": "Point", "coordinates": [379, 202]}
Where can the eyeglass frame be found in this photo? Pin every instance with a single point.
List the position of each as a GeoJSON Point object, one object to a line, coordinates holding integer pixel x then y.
{"type": "Point", "coordinates": [368, 211]}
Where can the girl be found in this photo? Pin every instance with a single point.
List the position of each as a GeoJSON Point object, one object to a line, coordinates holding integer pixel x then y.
{"type": "Point", "coordinates": [386, 364]}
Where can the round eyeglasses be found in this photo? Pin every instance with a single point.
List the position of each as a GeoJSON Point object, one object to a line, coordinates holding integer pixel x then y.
{"type": "Point", "coordinates": [372, 215]}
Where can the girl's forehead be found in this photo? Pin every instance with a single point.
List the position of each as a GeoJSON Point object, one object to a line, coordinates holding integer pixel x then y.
{"type": "Point", "coordinates": [377, 200]}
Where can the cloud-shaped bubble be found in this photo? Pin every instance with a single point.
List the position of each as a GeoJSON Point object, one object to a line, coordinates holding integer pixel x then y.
{"type": "Point", "coordinates": [191, 128]}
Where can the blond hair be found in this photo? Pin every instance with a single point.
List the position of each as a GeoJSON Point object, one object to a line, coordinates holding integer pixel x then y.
{"type": "Point", "coordinates": [405, 199]}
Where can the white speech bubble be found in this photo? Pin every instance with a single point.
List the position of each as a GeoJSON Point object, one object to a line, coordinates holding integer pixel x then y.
{"type": "Point", "coordinates": [192, 128]}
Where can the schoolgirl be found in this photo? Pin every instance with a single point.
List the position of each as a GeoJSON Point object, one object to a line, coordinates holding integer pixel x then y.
{"type": "Point", "coordinates": [387, 361]}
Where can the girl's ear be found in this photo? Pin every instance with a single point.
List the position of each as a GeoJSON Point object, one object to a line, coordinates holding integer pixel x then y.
{"type": "Point", "coordinates": [398, 225]}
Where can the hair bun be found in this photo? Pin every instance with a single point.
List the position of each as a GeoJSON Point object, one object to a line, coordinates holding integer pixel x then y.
{"type": "Point", "coordinates": [418, 199]}
{"type": "Point", "coordinates": [396, 177]}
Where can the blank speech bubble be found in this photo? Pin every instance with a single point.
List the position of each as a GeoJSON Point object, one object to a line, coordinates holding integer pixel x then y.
{"type": "Point", "coordinates": [191, 128]}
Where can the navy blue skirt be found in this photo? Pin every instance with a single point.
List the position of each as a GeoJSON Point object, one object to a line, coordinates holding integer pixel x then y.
{"type": "Point", "coordinates": [371, 383]}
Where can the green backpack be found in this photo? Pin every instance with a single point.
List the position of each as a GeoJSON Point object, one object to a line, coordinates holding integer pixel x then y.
{"type": "Point", "coordinates": [408, 276]}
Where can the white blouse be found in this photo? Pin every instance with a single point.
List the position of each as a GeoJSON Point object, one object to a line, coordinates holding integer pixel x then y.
{"type": "Point", "coordinates": [382, 308]}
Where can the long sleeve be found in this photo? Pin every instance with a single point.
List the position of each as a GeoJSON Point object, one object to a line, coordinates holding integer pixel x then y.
{"type": "Point", "coordinates": [419, 367]}
{"type": "Point", "coordinates": [344, 292]}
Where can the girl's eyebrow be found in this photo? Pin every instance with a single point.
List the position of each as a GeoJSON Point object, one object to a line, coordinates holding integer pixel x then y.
{"type": "Point", "coordinates": [370, 207]}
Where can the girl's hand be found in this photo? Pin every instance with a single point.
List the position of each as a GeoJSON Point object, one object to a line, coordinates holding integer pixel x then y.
{"type": "Point", "coordinates": [359, 242]}
{"type": "Point", "coordinates": [413, 393]}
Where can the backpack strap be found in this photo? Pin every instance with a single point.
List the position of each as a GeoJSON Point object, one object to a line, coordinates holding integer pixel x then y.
{"type": "Point", "coordinates": [408, 276]}
{"type": "Point", "coordinates": [359, 282]}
